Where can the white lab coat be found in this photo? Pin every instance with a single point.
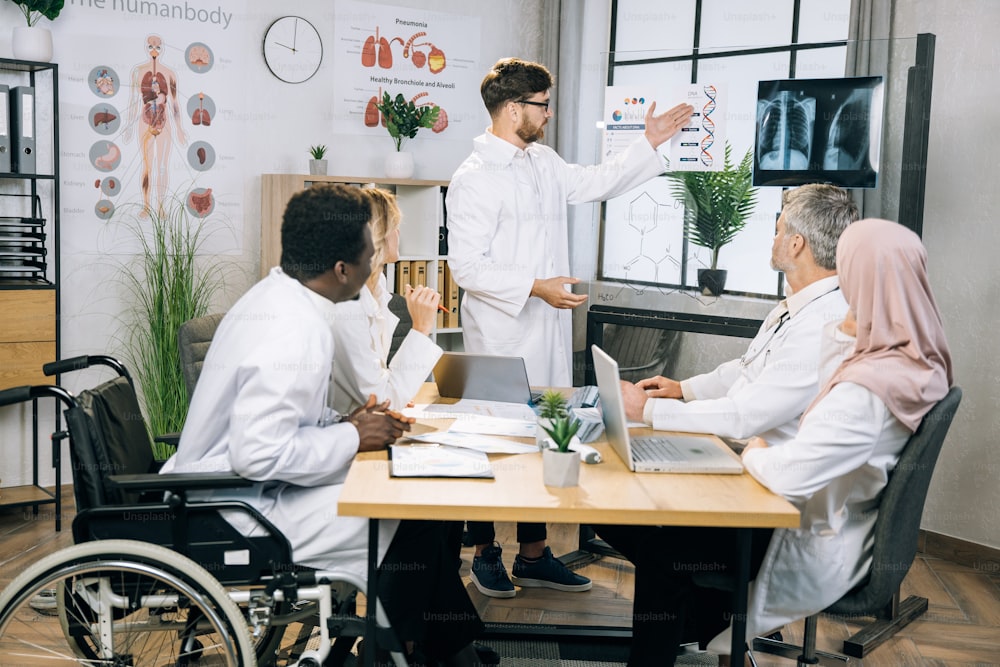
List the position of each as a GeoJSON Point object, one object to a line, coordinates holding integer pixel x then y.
{"type": "Point", "coordinates": [362, 335]}
{"type": "Point", "coordinates": [259, 410]}
{"type": "Point", "coordinates": [833, 472]}
{"type": "Point", "coordinates": [765, 391]}
{"type": "Point", "coordinates": [507, 226]}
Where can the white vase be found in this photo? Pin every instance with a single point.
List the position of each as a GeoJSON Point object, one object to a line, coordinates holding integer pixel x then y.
{"type": "Point", "coordinates": [317, 167]}
{"type": "Point", "coordinates": [560, 468]}
{"type": "Point", "coordinates": [32, 43]}
{"type": "Point", "coordinates": [399, 164]}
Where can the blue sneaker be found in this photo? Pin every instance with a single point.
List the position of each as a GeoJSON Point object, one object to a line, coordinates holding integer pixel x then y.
{"type": "Point", "coordinates": [548, 572]}
{"type": "Point", "coordinates": [489, 575]}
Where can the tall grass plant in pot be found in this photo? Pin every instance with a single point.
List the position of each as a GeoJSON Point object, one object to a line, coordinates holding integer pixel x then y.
{"type": "Point", "coordinates": [166, 285]}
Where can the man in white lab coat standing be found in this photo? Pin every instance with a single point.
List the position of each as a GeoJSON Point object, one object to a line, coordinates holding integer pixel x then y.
{"type": "Point", "coordinates": [508, 248]}
{"type": "Point", "coordinates": [261, 409]}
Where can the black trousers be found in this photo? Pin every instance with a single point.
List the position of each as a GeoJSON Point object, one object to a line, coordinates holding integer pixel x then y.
{"type": "Point", "coordinates": [482, 532]}
{"type": "Point", "coordinates": [421, 590]}
{"type": "Point", "coordinates": [669, 609]}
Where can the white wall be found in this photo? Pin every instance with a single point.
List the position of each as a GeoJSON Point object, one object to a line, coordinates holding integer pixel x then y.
{"type": "Point", "coordinates": [279, 121]}
{"type": "Point", "coordinates": [962, 237]}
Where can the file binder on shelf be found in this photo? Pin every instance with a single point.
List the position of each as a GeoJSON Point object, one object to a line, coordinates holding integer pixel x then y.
{"type": "Point", "coordinates": [4, 129]}
{"type": "Point", "coordinates": [22, 129]}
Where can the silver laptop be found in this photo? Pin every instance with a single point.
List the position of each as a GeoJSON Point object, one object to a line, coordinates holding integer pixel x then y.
{"type": "Point", "coordinates": [668, 452]}
{"type": "Point", "coordinates": [484, 377]}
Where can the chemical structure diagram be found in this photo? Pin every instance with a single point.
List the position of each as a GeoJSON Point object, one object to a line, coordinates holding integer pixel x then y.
{"type": "Point", "coordinates": [646, 225]}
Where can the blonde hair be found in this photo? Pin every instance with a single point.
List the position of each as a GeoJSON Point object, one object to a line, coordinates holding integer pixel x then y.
{"type": "Point", "coordinates": [384, 221]}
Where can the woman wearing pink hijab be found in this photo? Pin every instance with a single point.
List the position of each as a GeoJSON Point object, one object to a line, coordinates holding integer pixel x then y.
{"type": "Point", "coordinates": [888, 364]}
{"type": "Point", "coordinates": [882, 369]}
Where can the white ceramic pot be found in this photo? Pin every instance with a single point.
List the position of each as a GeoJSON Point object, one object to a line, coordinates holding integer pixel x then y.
{"type": "Point", "coordinates": [399, 164]}
{"type": "Point", "coordinates": [560, 468]}
{"type": "Point", "coordinates": [32, 43]}
{"type": "Point", "coordinates": [317, 167]}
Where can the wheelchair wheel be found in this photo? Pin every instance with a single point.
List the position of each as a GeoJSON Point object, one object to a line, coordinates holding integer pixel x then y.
{"type": "Point", "coordinates": [121, 602]}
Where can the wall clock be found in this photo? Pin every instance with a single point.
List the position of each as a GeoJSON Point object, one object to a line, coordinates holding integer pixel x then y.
{"type": "Point", "coordinates": [293, 49]}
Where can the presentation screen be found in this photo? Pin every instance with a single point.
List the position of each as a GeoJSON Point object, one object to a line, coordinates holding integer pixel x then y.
{"type": "Point", "coordinates": [818, 131]}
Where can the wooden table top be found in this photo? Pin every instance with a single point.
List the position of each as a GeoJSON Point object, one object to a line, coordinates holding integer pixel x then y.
{"type": "Point", "coordinates": [607, 493]}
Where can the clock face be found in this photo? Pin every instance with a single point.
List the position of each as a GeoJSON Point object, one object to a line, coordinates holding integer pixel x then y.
{"type": "Point", "coordinates": [293, 49]}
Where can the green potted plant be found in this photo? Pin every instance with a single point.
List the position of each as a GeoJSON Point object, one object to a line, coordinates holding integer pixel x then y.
{"type": "Point", "coordinates": [165, 285]}
{"type": "Point", "coordinates": [317, 165]}
{"type": "Point", "coordinates": [32, 41]}
{"type": "Point", "coordinates": [402, 120]}
{"type": "Point", "coordinates": [560, 463]}
{"type": "Point", "coordinates": [717, 206]}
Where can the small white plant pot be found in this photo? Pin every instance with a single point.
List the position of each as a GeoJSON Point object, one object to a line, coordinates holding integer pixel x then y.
{"type": "Point", "coordinates": [399, 164]}
{"type": "Point", "coordinates": [317, 167]}
{"type": "Point", "coordinates": [32, 43]}
{"type": "Point", "coordinates": [560, 468]}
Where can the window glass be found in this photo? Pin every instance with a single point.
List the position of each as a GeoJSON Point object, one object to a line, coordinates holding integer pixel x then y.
{"type": "Point", "coordinates": [820, 63]}
{"type": "Point", "coordinates": [645, 26]}
{"type": "Point", "coordinates": [823, 20]}
{"type": "Point", "coordinates": [736, 23]}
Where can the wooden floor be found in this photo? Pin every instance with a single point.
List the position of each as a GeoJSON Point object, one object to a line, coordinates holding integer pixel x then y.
{"type": "Point", "coordinates": [961, 627]}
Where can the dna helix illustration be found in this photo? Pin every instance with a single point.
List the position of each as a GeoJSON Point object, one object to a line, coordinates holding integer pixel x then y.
{"type": "Point", "coordinates": [708, 125]}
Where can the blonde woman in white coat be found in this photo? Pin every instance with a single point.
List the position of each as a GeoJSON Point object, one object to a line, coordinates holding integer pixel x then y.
{"type": "Point", "coordinates": [897, 366]}
{"type": "Point", "coordinates": [365, 326]}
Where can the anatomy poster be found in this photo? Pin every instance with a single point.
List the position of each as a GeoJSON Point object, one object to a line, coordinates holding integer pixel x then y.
{"type": "Point", "coordinates": [150, 128]}
{"type": "Point", "coordinates": [428, 57]}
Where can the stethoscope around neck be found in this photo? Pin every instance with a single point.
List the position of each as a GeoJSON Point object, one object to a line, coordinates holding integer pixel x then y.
{"type": "Point", "coordinates": [751, 355]}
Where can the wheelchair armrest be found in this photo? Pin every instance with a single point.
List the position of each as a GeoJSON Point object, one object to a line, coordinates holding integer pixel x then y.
{"type": "Point", "coordinates": [179, 481]}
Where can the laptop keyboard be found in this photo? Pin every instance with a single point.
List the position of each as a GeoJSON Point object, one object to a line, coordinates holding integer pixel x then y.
{"type": "Point", "coordinates": [653, 448]}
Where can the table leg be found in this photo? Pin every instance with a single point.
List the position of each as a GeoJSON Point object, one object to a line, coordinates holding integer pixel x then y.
{"type": "Point", "coordinates": [740, 597]}
{"type": "Point", "coordinates": [371, 596]}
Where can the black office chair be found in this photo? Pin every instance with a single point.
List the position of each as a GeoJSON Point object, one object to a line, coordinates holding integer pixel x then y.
{"type": "Point", "coordinates": [896, 531]}
{"type": "Point", "coordinates": [193, 340]}
{"type": "Point", "coordinates": [397, 304]}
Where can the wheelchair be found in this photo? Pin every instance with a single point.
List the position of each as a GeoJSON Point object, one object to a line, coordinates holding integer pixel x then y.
{"type": "Point", "coordinates": [157, 578]}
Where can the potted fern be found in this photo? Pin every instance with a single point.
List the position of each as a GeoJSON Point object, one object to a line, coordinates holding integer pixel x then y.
{"type": "Point", "coordinates": [402, 119]}
{"type": "Point", "coordinates": [317, 165]}
{"type": "Point", "coordinates": [560, 463]}
{"type": "Point", "coordinates": [717, 206]}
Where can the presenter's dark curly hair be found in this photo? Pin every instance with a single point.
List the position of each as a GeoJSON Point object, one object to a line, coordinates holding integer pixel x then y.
{"type": "Point", "coordinates": [513, 79]}
{"type": "Point", "coordinates": [323, 225]}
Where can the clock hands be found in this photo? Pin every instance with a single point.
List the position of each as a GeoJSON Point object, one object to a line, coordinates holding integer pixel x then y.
{"type": "Point", "coordinates": [295, 33]}
{"type": "Point", "coordinates": [290, 48]}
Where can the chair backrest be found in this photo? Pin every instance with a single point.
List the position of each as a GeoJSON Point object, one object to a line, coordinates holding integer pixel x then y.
{"type": "Point", "coordinates": [193, 340]}
{"type": "Point", "coordinates": [397, 304]}
{"type": "Point", "coordinates": [898, 524]}
{"type": "Point", "coordinates": [109, 437]}
{"type": "Point", "coordinates": [641, 352]}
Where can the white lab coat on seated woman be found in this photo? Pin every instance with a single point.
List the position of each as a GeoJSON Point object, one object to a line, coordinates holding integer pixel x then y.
{"type": "Point", "coordinates": [362, 336]}
{"type": "Point", "coordinates": [260, 410]}
{"type": "Point", "coordinates": [898, 367]}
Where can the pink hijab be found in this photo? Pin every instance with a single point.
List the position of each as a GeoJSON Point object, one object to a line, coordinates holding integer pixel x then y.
{"type": "Point", "coordinates": [901, 354]}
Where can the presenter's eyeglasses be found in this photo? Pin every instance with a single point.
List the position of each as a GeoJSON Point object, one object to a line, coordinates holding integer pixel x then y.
{"type": "Point", "coordinates": [544, 105]}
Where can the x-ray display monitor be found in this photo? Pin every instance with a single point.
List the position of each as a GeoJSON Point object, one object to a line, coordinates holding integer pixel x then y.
{"type": "Point", "coordinates": [819, 131]}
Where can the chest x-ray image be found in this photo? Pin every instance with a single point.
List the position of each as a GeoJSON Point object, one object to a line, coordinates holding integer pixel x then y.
{"type": "Point", "coordinates": [818, 131]}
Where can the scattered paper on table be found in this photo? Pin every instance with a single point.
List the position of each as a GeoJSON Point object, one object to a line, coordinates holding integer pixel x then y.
{"type": "Point", "coordinates": [430, 460]}
{"type": "Point", "coordinates": [482, 443]}
{"type": "Point", "coordinates": [511, 428]}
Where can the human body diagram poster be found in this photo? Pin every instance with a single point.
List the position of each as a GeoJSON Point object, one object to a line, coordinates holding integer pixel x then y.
{"type": "Point", "coordinates": [151, 124]}
{"type": "Point", "coordinates": [427, 57]}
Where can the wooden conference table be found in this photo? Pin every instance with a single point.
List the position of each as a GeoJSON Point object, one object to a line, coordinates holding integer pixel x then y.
{"type": "Point", "coordinates": [608, 493]}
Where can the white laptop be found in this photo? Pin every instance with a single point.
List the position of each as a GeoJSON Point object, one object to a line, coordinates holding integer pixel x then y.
{"type": "Point", "coordinates": [669, 452]}
{"type": "Point", "coordinates": [484, 377]}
